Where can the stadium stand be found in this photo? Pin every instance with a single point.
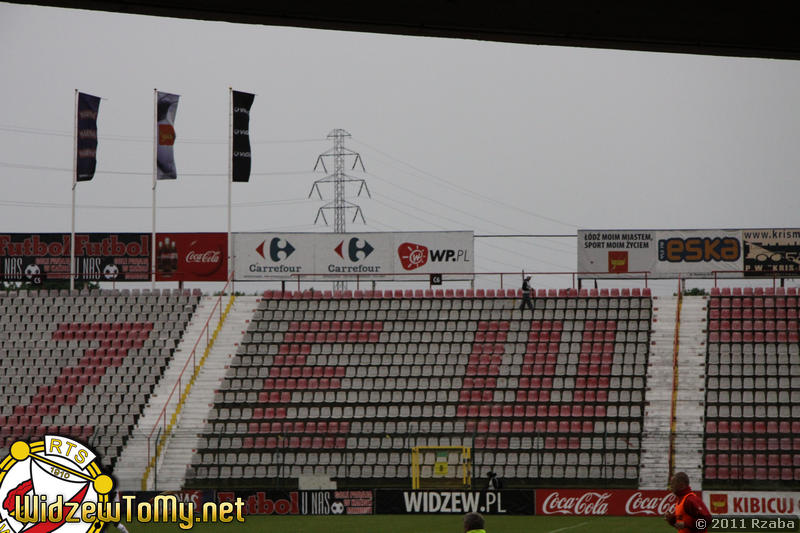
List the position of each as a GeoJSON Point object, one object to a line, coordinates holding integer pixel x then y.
{"type": "Point", "coordinates": [752, 430]}
{"type": "Point", "coordinates": [84, 363]}
{"type": "Point", "coordinates": [344, 384]}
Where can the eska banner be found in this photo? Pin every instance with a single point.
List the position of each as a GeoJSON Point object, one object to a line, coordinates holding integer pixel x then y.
{"type": "Point", "coordinates": [703, 253]}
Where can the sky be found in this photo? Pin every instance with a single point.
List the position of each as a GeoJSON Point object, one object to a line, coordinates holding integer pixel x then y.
{"type": "Point", "coordinates": [454, 134]}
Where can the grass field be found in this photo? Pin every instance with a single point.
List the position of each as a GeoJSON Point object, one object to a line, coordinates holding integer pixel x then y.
{"type": "Point", "coordinates": [420, 524]}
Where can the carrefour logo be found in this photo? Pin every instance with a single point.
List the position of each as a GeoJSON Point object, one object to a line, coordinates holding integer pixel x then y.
{"type": "Point", "coordinates": [275, 249]}
{"type": "Point", "coordinates": [354, 248]}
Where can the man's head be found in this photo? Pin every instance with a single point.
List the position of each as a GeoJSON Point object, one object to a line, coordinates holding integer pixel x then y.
{"type": "Point", "coordinates": [527, 278]}
{"type": "Point", "coordinates": [473, 521]}
{"type": "Point", "coordinates": [679, 482]}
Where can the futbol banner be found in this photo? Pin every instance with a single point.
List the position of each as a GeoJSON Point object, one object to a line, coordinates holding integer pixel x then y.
{"type": "Point", "coordinates": [379, 256]}
{"type": "Point", "coordinates": [98, 256]}
{"type": "Point", "coordinates": [512, 502]}
{"type": "Point", "coordinates": [196, 497]}
{"type": "Point", "coordinates": [86, 120]}
{"type": "Point", "coordinates": [242, 102]}
{"type": "Point", "coordinates": [660, 253]}
{"type": "Point", "coordinates": [191, 256]}
{"type": "Point", "coordinates": [166, 108]}
{"type": "Point", "coordinates": [302, 502]}
{"type": "Point", "coordinates": [605, 502]}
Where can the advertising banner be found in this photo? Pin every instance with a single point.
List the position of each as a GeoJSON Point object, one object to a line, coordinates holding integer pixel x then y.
{"type": "Point", "coordinates": [769, 252]}
{"type": "Point", "coordinates": [302, 502]}
{"type": "Point", "coordinates": [604, 502]}
{"type": "Point", "coordinates": [380, 256]}
{"type": "Point", "coordinates": [616, 252]}
{"type": "Point", "coordinates": [513, 502]}
{"type": "Point", "coordinates": [98, 256]}
{"type": "Point", "coordinates": [752, 503]}
{"type": "Point", "coordinates": [191, 256]}
{"type": "Point", "coordinates": [196, 497]}
{"type": "Point", "coordinates": [660, 253]}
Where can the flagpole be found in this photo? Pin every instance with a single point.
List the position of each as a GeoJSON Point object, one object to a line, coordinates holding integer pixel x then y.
{"type": "Point", "coordinates": [230, 183]}
{"type": "Point", "coordinates": [155, 171]}
{"type": "Point", "coordinates": [74, 183]}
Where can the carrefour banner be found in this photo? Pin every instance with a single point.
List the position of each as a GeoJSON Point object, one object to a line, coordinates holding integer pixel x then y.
{"type": "Point", "coordinates": [660, 253]}
{"type": "Point", "coordinates": [379, 256]}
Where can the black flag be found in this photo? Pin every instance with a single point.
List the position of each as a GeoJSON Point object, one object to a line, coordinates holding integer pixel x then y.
{"type": "Point", "coordinates": [241, 135]}
{"type": "Point", "coordinates": [88, 107]}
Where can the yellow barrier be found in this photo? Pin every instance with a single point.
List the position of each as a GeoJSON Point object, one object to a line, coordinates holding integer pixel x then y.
{"type": "Point", "coordinates": [185, 394]}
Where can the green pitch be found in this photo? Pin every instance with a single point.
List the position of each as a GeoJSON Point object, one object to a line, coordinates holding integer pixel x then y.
{"type": "Point", "coordinates": [418, 524]}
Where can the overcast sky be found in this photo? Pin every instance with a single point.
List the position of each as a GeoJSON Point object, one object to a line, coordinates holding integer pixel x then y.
{"type": "Point", "coordinates": [454, 134]}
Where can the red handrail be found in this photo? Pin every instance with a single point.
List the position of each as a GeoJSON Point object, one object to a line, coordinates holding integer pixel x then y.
{"type": "Point", "coordinates": [753, 275]}
{"type": "Point", "coordinates": [162, 418]}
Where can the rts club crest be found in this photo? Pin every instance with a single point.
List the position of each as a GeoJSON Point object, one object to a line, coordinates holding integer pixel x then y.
{"type": "Point", "coordinates": [43, 473]}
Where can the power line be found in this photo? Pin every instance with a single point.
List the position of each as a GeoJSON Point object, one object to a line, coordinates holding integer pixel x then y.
{"type": "Point", "coordinates": [464, 190]}
{"type": "Point", "coordinates": [20, 203]}
{"type": "Point", "coordinates": [130, 138]}
{"type": "Point", "coordinates": [24, 166]}
{"type": "Point", "coordinates": [469, 214]}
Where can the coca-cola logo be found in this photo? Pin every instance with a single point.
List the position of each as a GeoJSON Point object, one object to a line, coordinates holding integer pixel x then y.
{"type": "Point", "coordinates": [639, 504]}
{"type": "Point", "coordinates": [209, 256]}
{"type": "Point", "coordinates": [588, 503]}
{"type": "Point", "coordinates": [203, 257]}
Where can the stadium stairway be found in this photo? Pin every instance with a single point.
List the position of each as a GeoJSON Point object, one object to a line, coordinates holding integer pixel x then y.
{"type": "Point", "coordinates": [654, 468]}
{"type": "Point", "coordinates": [691, 388]}
{"type": "Point", "coordinates": [133, 459]}
{"type": "Point", "coordinates": [184, 440]}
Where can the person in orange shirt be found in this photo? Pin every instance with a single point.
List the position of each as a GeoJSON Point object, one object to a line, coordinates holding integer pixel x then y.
{"type": "Point", "coordinates": [691, 514]}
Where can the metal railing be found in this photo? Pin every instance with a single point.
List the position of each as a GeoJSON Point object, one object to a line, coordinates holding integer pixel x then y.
{"type": "Point", "coordinates": [161, 421]}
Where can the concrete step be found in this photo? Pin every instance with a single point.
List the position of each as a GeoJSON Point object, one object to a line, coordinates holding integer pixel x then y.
{"type": "Point", "coordinates": [134, 457]}
{"type": "Point", "coordinates": [182, 445]}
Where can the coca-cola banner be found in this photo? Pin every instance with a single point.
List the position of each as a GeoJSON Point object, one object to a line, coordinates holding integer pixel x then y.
{"type": "Point", "coordinates": [752, 503]}
{"type": "Point", "coordinates": [604, 502]}
{"type": "Point", "coordinates": [512, 502]}
{"type": "Point", "coordinates": [33, 257]}
{"type": "Point", "coordinates": [301, 502]}
{"type": "Point", "coordinates": [191, 256]}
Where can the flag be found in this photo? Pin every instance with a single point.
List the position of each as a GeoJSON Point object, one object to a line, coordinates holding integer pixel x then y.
{"type": "Point", "coordinates": [167, 107]}
{"type": "Point", "coordinates": [241, 135]}
{"type": "Point", "coordinates": [86, 142]}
